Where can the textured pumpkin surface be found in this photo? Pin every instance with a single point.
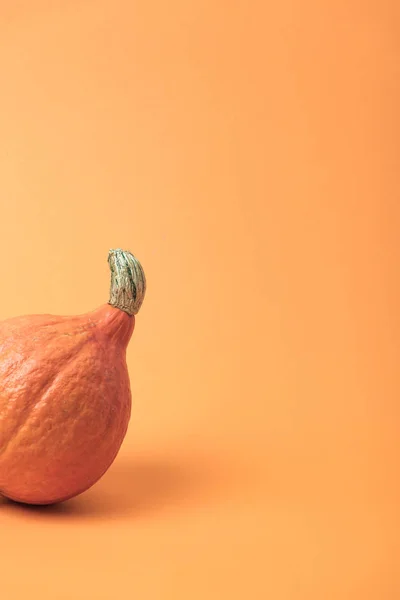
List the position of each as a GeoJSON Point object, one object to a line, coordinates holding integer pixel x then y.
{"type": "Point", "coordinates": [65, 402]}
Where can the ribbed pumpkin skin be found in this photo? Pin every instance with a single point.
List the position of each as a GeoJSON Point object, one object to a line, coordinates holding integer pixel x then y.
{"type": "Point", "coordinates": [65, 402]}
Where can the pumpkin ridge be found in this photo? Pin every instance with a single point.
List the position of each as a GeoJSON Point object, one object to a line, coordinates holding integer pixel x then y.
{"type": "Point", "coordinates": [42, 391]}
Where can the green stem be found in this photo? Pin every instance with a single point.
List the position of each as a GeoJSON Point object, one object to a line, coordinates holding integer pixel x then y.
{"type": "Point", "coordinates": [128, 282]}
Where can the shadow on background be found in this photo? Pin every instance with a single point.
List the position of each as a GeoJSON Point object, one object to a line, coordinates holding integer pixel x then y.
{"type": "Point", "coordinates": [133, 487]}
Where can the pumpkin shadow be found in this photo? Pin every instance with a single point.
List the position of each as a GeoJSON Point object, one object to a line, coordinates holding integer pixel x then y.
{"type": "Point", "coordinates": [131, 488]}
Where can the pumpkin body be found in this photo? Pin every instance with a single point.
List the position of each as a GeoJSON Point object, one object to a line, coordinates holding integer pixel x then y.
{"type": "Point", "coordinates": [65, 402]}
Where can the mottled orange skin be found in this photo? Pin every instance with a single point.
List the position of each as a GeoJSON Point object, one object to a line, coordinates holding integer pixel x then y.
{"type": "Point", "coordinates": [65, 402]}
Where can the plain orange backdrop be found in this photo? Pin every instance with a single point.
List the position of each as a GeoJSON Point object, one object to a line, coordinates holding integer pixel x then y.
{"type": "Point", "coordinates": [248, 154]}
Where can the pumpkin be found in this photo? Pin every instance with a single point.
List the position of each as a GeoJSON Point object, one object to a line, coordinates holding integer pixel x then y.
{"type": "Point", "coordinates": [65, 399]}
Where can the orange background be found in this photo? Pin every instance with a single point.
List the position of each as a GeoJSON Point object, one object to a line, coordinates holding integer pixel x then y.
{"type": "Point", "coordinates": [248, 154]}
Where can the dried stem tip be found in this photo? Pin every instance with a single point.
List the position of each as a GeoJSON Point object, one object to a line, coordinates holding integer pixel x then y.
{"type": "Point", "coordinates": [128, 282]}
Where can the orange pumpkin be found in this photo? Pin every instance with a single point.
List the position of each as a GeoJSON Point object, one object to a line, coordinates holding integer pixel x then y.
{"type": "Point", "coordinates": [65, 399]}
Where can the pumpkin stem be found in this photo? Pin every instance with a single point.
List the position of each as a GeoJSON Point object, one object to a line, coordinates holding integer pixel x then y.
{"type": "Point", "coordinates": [128, 282]}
